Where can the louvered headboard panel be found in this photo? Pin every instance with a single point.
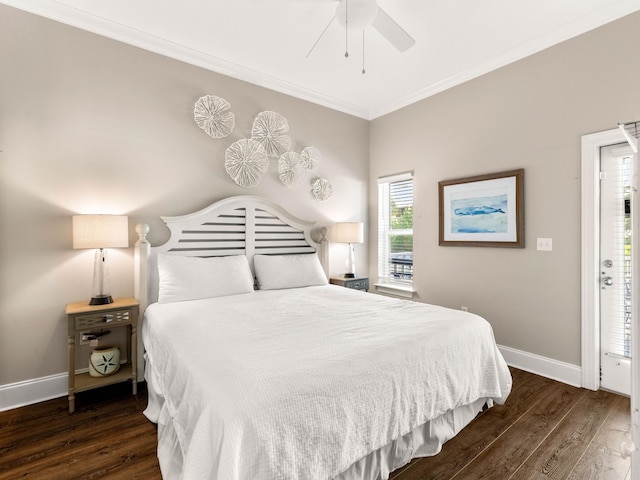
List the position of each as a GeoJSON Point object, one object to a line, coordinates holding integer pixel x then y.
{"type": "Point", "coordinates": [243, 225]}
{"type": "Point", "coordinates": [226, 235]}
{"type": "Point", "coordinates": [272, 235]}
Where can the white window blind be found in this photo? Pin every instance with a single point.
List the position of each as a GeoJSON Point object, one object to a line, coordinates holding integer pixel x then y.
{"type": "Point", "coordinates": [619, 207]}
{"type": "Point", "coordinates": [395, 228]}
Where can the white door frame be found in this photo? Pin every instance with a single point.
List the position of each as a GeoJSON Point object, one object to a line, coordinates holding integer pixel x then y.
{"type": "Point", "coordinates": [590, 256]}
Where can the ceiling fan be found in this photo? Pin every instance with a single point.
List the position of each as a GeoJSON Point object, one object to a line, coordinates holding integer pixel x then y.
{"type": "Point", "coordinates": [359, 14]}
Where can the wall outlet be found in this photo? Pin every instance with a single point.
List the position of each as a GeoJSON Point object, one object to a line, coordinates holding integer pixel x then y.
{"type": "Point", "coordinates": [464, 309]}
{"type": "Point", "coordinates": [545, 244]}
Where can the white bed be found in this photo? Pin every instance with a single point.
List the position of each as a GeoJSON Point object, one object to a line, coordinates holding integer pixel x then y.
{"type": "Point", "coordinates": [299, 379]}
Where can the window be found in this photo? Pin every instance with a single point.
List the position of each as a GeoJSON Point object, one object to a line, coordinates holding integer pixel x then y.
{"type": "Point", "coordinates": [395, 229]}
{"type": "Point", "coordinates": [615, 214]}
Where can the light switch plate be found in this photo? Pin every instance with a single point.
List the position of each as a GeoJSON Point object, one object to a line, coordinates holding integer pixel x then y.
{"type": "Point", "coordinates": [545, 244]}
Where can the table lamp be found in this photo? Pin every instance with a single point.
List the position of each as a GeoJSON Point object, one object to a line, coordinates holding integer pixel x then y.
{"type": "Point", "coordinates": [100, 232]}
{"type": "Point", "coordinates": [350, 232]}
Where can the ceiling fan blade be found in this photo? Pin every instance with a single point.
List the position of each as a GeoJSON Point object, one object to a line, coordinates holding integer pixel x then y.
{"type": "Point", "coordinates": [320, 37]}
{"type": "Point", "coordinates": [393, 32]}
{"type": "Point", "coordinates": [289, 1]}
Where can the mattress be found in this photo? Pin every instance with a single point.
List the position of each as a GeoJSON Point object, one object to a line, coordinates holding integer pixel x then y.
{"type": "Point", "coordinates": [306, 383]}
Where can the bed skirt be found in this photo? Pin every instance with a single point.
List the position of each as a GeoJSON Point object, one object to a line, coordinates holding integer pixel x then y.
{"type": "Point", "coordinates": [423, 441]}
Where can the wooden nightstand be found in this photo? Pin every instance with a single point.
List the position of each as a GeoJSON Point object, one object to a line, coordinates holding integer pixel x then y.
{"type": "Point", "coordinates": [357, 283]}
{"type": "Point", "coordinates": [82, 317]}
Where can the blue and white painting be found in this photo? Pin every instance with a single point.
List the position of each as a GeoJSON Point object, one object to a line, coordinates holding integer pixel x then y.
{"type": "Point", "coordinates": [480, 211]}
{"type": "Point", "coordinates": [480, 214]}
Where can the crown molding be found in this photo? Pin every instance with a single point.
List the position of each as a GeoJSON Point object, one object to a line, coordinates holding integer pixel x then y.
{"type": "Point", "coordinates": [76, 18]}
{"type": "Point", "coordinates": [613, 11]}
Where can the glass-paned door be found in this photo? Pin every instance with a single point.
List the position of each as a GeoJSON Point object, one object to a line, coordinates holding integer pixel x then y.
{"type": "Point", "coordinates": [615, 268]}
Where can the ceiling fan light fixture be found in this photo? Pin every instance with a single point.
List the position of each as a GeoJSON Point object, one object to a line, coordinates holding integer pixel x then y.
{"type": "Point", "coordinates": [356, 14]}
{"type": "Point", "coordinates": [360, 14]}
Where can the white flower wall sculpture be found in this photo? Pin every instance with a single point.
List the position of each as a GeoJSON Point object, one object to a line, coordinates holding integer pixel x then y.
{"type": "Point", "coordinates": [212, 115]}
{"type": "Point", "coordinates": [321, 189]}
{"type": "Point", "coordinates": [310, 158]}
{"type": "Point", "coordinates": [269, 129]}
{"type": "Point", "coordinates": [290, 169]}
{"type": "Point", "coordinates": [245, 161]}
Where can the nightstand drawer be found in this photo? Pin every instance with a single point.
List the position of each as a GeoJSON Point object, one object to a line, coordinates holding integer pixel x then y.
{"type": "Point", "coordinates": [101, 319]}
{"type": "Point", "coordinates": [360, 284]}
{"type": "Point", "coordinates": [357, 283]}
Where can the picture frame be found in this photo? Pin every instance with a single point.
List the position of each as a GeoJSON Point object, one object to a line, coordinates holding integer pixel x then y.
{"type": "Point", "coordinates": [482, 211]}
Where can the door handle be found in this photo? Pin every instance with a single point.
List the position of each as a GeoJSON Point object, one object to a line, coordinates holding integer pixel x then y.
{"type": "Point", "coordinates": [608, 281]}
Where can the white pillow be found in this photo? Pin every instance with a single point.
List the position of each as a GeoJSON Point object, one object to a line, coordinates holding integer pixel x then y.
{"type": "Point", "coordinates": [190, 278]}
{"type": "Point", "coordinates": [288, 271]}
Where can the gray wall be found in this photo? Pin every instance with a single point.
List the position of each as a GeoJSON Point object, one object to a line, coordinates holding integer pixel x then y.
{"type": "Point", "coordinates": [90, 125]}
{"type": "Point", "coordinates": [531, 115]}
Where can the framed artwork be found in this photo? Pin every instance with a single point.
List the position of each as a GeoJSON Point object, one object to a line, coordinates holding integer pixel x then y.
{"type": "Point", "coordinates": [483, 211]}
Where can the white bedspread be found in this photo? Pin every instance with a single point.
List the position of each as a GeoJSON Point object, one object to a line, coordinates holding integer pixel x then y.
{"type": "Point", "coordinates": [301, 383]}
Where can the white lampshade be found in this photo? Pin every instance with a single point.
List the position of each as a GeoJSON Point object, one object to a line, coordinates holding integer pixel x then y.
{"type": "Point", "coordinates": [100, 231]}
{"type": "Point", "coordinates": [349, 232]}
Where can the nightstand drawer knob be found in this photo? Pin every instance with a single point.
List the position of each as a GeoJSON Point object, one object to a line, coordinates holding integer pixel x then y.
{"type": "Point", "coordinates": [96, 319]}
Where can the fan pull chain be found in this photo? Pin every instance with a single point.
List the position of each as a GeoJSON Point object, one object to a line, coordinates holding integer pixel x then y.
{"type": "Point", "coordinates": [346, 28]}
{"type": "Point", "coordinates": [363, 70]}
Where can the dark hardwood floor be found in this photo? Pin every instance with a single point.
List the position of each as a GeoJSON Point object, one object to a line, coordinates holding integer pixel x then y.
{"type": "Point", "coordinates": [106, 438]}
{"type": "Point", "coordinates": [546, 430]}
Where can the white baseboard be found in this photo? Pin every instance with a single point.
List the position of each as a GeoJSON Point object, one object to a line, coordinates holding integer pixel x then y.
{"type": "Point", "coordinates": [28, 392]}
{"type": "Point", "coordinates": [543, 366]}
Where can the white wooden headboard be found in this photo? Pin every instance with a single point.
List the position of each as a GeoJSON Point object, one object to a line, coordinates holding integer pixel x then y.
{"type": "Point", "coordinates": [238, 225]}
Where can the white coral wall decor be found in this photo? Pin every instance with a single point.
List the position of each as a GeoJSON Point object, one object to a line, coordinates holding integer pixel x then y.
{"type": "Point", "coordinates": [321, 189]}
{"type": "Point", "coordinates": [212, 115]}
{"type": "Point", "coordinates": [245, 160]}
{"type": "Point", "coordinates": [290, 169]}
{"type": "Point", "coordinates": [269, 129]}
{"type": "Point", "coordinates": [310, 158]}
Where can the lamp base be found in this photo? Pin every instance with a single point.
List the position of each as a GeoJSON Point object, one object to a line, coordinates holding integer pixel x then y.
{"type": "Point", "coordinates": [349, 275]}
{"type": "Point", "coordinates": [101, 300]}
